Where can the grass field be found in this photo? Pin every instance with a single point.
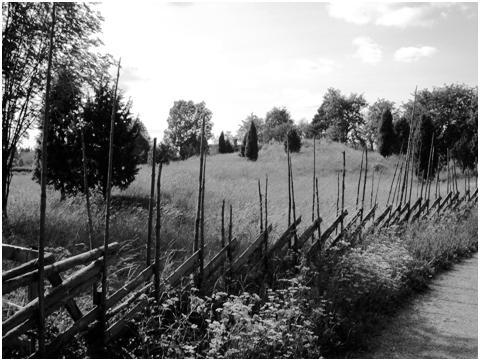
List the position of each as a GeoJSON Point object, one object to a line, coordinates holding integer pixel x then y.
{"type": "Point", "coordinates": [229, 177]}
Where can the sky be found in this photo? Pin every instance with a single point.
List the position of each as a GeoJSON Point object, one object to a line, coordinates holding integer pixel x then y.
{"type": "Point", "coordinates": [243, 58]}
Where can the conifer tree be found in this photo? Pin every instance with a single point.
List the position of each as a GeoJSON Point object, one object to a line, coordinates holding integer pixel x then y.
{"type": "Point", "coordinates": [251, 148]}
{"type": "Point", "coordinates": [221, 144]}
{"type": "Point", "coordinates": [424, 140]}
{"type": "Point", "coordinates": [386, 135]}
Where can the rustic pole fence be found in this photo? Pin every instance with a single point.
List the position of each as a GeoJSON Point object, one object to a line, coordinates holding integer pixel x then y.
{"type": "Point", "coordinates": [151, 204]}
{"type": "Point", "coordinates": [313, 181]}
{"type": "Point", "coordinates": [393, 181]}
{"type": "Point", "coordinates": [261, 210]}
{"type": "Point", "coordinates": [202, 225]}
{"type": "Point", "coordinates": [295, 236]}
{"type": "Point", "coordinates": [364, 183]}
{"type": "Point", "coordinates": [318, 206]}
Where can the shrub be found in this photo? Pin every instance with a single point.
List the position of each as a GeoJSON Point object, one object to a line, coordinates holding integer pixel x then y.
{"type": "Point", "coordinates": [294, 141]}
{"type": "Point", "coordinates": [251, 148]}
{"type": "Point", "coordinates": [243, 146]}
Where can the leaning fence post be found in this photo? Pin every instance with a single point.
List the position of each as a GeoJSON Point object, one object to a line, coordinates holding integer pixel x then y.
{"type": "Point", "coordinates": [261, 210]}
{"type": "Point", "coordinates": [318, 206]}
{"type": "Point", "coordinates": [364, 184]}
{"type": "Point", "coordinates": [265, 246]}
{"type": "Point", "coordinates": [103, 300]}
{"type": "Point", "coordinates": [43, 198]}
{"type": "Point", "coordinates": [343, 190]}
{"type": "Point", "coordinates": [359, 179]}
{"type": "Point", "coordinates": [151, 204]}
{"type": "Point", "coordinates": [313, 182]}
{"type": "Point", "coordinates": [157, 237]}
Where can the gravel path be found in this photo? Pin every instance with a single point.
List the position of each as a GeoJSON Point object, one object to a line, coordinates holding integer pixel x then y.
{"type": "Point", "coordinates": [442, 323]}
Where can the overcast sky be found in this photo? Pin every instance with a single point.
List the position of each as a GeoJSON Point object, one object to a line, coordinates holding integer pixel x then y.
{"type": "Point", "coordinates": [248, 57]}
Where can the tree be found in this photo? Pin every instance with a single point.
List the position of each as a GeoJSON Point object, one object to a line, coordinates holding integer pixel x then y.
{"type": "Point", "coordinates": [373, 119]}
{"type": "Point", "coordinates": [451, 107]}
{"type": "Point", "coordinates": [97, 132]}
{"type": "Point", "coordinates": [185, 125]}
{"type": "Point", "coordinates": [25, 31]}
{"type": "Point", "coordinates": [386, 135]}
{"type": "Point", "coordinates": [423, 139]}
{"type": "Point", "coordinates": [251, 148]}
{"type": "Point", "coordinates": [277, 122]}
{"type": "Point", "coordinates": [245, 126]}
{"type": "Point", "coordinates": [63, 158]}
{"type": "Point", "coordinates": [221, 143]}
{"type": "Point", "coordinates": [294, 141]}
{"type": "Point", "coordinates": [340, 117]}
{"type": "Point", "coordinates": [402, 131]}
{"type": "Point", "coordinates": [228, 146]}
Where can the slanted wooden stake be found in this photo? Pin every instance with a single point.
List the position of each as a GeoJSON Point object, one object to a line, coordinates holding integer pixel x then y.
{"type": "Point", "coordinates": [364, 184]}
{"type": "Point", "coordinates": [448, 172]}
{"type": "Point", "coordinates": [429, 173]}
{"type": "Point", "coordinates": [43, 197]}
{"type": "Point", "coordinates": [87, 199]}
{"type": "Point", "coordinates": [265, 244]}
{"type": "Point", "coordinates": [200, 183]}
{"type": "Point", "coordinates": [343, 190]}
{"type": "Point", "coordinates": [360, 178]}
{"type": "Point", "coordinates": [261, 210]}
{"type": "Point", "coordinates": [157, 237]}
{"type": "Point", "coordinates": [313, 182]}
{"type": "Point", "coordinates": [106, 239]}
{"type": "Point", "coordinates": [289, 187]}
{"type": "Point", "coordinates": [202, 225]}
{"type": "Point", "coordinates": [338, 192]}
{"type": "Point", "coordinates": [391, 184]}
{"type": "Point", "coordinates": [318, 206]}
{"type": "Point", "coordinates": [151, 204]}
{"type": "Point", "coordinates": [295, 236]}
{"type": "Point", "coordinates": [437, 188]}
{"type": "Point", "coordinates": [371, 192]}
{"type": "Point", "coordinates": [222, 241]}
{"type": "Point", "coordinates": [378, 186]}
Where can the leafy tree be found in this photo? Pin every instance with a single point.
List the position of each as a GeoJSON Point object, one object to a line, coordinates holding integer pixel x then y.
{"type": "Point", "coordinates": [251, 148]}
{"type": "Point", "coordinates": [96, 127]}
{"type": "Point", "coordinates": [373, 120]}
{"type": "Point", "coordinates": [185, 125]}
{"type": "Point", "coordinates": [25, 34]}
{"type": "Point", "coordinates": [277, 122]}
{"type": "Point", "coordinates": [402, 131]}
{"type": "Point", "coordinates": [294, 141]}
{"type": "Point", "coordinates": [142, 144]}
{"type": "Point", "coordinates": [164, 154]}
{"type": "Point", "coordinates": [340, 117]}
{"type": "Point", "coordinates": [386, 135]}
{"type": "Point", "coordinates": [245, 126]}
{"type": "Point", "coordinates": [221, 143]}
{"type": "Point", "coordinates": [451, 107]}
{"type": "Point", "coordinates": [423, 139]}
{"type": "Point", "coordinates": [304, 129]}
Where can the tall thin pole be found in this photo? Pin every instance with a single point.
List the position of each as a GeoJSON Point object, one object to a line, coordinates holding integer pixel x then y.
{"type": "Point", "coordinates": [200, 182]}
{"type": "Point", "coordinates": [202, 224]}
{"type": "Point", "coordinates": [103, 314]}
{"type": "Point", "coordinates": [371, 193]}
{"type": "Point", "coordinates": [151, 204]}
{"type": "Point", "coordinates": [338, 191]}
{"type": "Point", "coordinates": [87, 198]}
{"type": "Point", "coordinates": [222, 241]}
{"type": "Point", "coordinates": [261, 210]}
{"type": "Point", "coordinates": [318, 206]}
{"type": "Point", "coordinates": [378, 186]}
{"type": "Point", "coordinates": [393, 180]}
{"type": "Point", "coordinates": [359, 179]}
{"type": "Point", "coordinates": [265, 244]}
{"type": "Point", "coordinates": [157, 237]}
{"type": "Point", "coordinates": [430, 164]}
{"type": "Point", "coordinates": [448, 172]}
{"type": "Point", "coordinates": [364, 183]}
{"type": "Point", "coordinates": [289, 187]}
{"type": "Point", "coordinates": [87, 191]}
{"type": "Point", "coordinates": [295, 236]}
{"type": "Point", "coordinates": [43, 197]}
{"type": "Point", "coordinates": [343, 189]}
{"type": "Point", "coordinates": [313, 181]}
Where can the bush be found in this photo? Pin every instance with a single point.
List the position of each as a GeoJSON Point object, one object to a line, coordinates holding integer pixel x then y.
{"type": "Point", "coordinates": [294, 141]}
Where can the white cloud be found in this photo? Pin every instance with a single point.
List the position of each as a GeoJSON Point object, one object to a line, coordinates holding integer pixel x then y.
{"type": "Point", "coordinates": [386, 14]}
{"type": "Point", "coordinates": [409, 54]}
{"type": "Point", "coordinates": [367, 50]}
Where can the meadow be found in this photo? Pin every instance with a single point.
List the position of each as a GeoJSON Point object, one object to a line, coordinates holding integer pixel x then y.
{"type": "Point", "coordinates": [228, 177]}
